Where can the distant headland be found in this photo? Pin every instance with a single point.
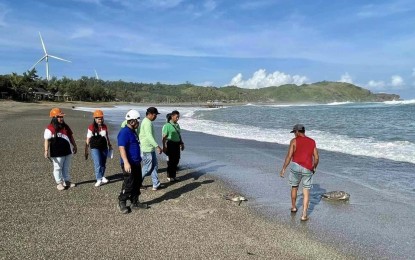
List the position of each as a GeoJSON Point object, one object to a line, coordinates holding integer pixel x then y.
{"type": "Point", "coordinates": [29, 87]}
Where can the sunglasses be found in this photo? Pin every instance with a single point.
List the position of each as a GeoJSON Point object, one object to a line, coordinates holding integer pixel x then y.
{"type": "Point", "coordinates": [59, 117]}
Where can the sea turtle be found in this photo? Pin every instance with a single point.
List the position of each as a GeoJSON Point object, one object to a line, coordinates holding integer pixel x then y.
{"type": "Point", "coordinates": [235, 197]}
{"type": "Point", "coordinates": [336, 195]}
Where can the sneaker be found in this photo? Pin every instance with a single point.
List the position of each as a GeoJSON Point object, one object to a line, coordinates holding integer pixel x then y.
{"type": "Point", "coordinates": [170, 179]}
{"type": "Point", "coordinates": [60, 186]}
{"type": "Point", "coordinates": [68, 184]}
{"type": "Point", "coordinates": [161, 186]}
{"type": "Point", "coordinates": [98, 183]}
{"type": "Point", "coordinates": [122, 206]}
{"type": "Point", "coordinates": [138, 205]}
{"type": "Point", "coordinates": [104, 180]}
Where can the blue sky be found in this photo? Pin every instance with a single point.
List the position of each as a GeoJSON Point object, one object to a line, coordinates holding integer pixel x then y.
{"type": "Point", "coordinates": [250, 44]}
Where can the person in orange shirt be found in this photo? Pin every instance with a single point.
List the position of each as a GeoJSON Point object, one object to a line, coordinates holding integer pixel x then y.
{"type": "Point", "coordinates": [304, 156]}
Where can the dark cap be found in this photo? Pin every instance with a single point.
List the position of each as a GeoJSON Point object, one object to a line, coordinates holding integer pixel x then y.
{"type": "Point", "coordinates": [298, 127]}
{"type": "Point", "coordinates": [152, 110]}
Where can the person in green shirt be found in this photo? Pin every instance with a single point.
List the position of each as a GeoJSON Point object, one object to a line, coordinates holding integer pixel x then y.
{"type": "Point", "coordinates": [149, 147]}
{"type": "Point", "coordinates": [172, 144]}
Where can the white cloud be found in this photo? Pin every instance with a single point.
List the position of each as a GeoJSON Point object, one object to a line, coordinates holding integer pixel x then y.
{"type": "Point", "coordinates": [260, 79]}
{"type": "Point", "coordinates": [253, 5]}
{"type": "Point", "coordinates": [376, 85]}
{"type": "Point", "coordinates": [397, 81]}
{"type": "Point", "coordinates": [383, 10]}
{"type": "Point", "coordinates": [205, 84]}
{"type": "Point", "coordinates": [413, 75]}
{"type": "Point", "coordinates": [346, 78]}
{"type": "Point", "coordinates": [209, 5]}
{"type": "Point", "coordinates": [82, 33]}
{"type": "Point", "coordinates": [3, 12]}
{"type": "Point", "coordinates": [97, 2]}
{"type": "Point", "coordinates": [164, 4]}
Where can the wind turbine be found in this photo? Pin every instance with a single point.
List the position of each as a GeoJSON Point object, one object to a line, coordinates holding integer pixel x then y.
{"type": "Point", "coordinates": [46, 58]}
{"type": "Point", "coordinates": [96, 75]}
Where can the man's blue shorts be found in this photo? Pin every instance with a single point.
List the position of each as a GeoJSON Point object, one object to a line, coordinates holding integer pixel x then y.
{"type": "Point", "coordinates": [300, 174]}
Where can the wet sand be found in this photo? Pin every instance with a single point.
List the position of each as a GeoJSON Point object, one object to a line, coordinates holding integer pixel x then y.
{"type": "Point", "coordinates": [373, 224]}
{"type": "Point", "coordinates": [188, 219]}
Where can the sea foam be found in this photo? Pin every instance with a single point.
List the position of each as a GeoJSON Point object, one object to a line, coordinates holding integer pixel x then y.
{"type": "Point", "coordinates": [403, 151]}
{"type": "Point", "coordinates": [396, 150]}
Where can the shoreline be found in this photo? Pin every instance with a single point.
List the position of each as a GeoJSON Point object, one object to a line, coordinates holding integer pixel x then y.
{"type": "Point", "coordinates": [191, 215]}
{"type": "Point", "coordinates": [71, 104]}
{"type": "Point", "coordinates": [372, 224]}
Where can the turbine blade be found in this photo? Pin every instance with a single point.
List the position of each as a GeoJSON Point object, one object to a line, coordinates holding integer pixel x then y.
{"type": "Point", "coordinates": [38, 62]}
{"type": "Point", "coordinates": [43, 45]}
{"type": "Point", "coordinates": [59, 58]}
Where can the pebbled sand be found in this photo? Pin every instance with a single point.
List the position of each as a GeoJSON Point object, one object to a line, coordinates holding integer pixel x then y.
{"type": "Point", "coordinates": [189, 219]}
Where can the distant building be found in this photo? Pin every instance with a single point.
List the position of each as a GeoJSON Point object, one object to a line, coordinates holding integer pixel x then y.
{"type": "Point", "coordinates": [67, 97]}
{"type": "Point", "coordinates": [41, 94]}
{"type": "Point", "coordinates": [4, 95]}
{"type": "Point", "coordinates": [59, 96]}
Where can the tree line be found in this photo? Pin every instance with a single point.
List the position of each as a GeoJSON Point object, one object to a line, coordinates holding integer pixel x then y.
{"type": "Point", "coordinates": [25, 87]}
{"type": "Point", "coordinates": [30, 87]}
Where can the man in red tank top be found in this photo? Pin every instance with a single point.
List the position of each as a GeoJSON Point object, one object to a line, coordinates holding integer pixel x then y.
{"type": "Point", "coordinates": [304, 155]}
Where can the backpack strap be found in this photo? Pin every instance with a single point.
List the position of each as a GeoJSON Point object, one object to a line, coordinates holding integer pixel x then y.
{"type": "Point", "coordinates": [178, 132]}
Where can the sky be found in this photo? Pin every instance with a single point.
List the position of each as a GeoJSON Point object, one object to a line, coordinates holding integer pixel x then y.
{"type": "Point", "coordinates": [250, 44]}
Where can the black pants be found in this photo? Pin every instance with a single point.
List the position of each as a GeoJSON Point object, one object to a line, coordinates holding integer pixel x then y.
{"type": "Point", "coordinates": [131, 184]}
{"type": "Point", "coordinates": [173, 151]}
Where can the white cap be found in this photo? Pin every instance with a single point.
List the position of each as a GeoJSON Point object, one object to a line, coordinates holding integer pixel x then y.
{"type": "Point", "coordinates": [132, 114]}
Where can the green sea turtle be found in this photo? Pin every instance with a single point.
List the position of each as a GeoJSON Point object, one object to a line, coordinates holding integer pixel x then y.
{"type": "Point", "coordinates": [336, 195]}
{"type": "Point", "coordinates": [235, 197]}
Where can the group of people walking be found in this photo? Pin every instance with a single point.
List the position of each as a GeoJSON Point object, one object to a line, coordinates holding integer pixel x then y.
{"type": "Point", "coordinates": [138, 154]}
{"type": "Point", "coordinates": [137, 146]}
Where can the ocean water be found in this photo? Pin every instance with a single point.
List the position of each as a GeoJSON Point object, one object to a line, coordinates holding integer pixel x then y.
{"type": "Point", "coordinates": [372, 130]}
{"type": "Point", "coordinates": [366, 149]}
{"type": "Point", "coordinates": [380, 130]}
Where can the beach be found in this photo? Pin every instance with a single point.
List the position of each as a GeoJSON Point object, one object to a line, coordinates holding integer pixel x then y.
{"type": "Point", "coordinates": [187, 219]}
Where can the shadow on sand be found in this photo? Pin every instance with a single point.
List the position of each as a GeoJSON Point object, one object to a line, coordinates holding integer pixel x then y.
{"type": "Point", "coordinates": [112, 179]}
{"type": "Point", "coordinates": [174, 194]}
{"type": "Point", "coordinates": [315, 198]}
{"type": "Point", "coordinates": [197, 173]}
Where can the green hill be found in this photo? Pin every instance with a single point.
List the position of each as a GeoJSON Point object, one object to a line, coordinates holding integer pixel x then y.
{"type": "Point", "coordinates": [319, 92]}
{"type": "Point", "coordinates": [30, 87]}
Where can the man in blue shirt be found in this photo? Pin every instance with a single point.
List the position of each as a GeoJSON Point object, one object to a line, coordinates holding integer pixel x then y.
{"type": "Point", "coordinates": [129, 147]}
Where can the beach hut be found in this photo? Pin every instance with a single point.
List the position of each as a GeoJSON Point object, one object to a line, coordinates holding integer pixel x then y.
{"type": "Point", "coordinates": [41, 94]}
{"type": "Point", "coordinates": [59, 96]}
{"type": "Point", "coordinates": [67, 97]}
{"type": "Point", "coordinates": [5, 95]}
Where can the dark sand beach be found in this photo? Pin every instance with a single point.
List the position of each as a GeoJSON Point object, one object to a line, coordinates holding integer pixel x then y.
{"type": "Point", "coordinates": [189, 219]}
